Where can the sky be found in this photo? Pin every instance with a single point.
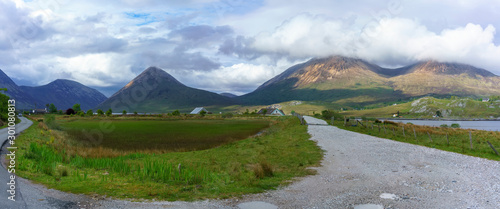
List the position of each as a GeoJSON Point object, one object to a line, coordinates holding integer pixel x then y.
{"type": "Point", "coordinates": [234, 46]}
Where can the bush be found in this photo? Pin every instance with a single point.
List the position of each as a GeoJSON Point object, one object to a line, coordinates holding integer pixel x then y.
{"type": "Point", "coordinates": [124, 112]}
{"type": "Point", "coordinates": [50, 121]}
{"type": "Point", "coordinates": [378, 121]}
{"type": "Point", "coordinates": [328, 114]}
{"type": "Point", "coordinates": [203, 113]}
{"type": "Point", "coordinates": [455, 125]}
{"type": "Point", "coordinates": [176, 113]}
{"type": "Point", "coordinates": [444, 126]}
{"type": "Point", "coordinates": [81, 113]}
{"type": "Point", "coordinates": [90, 113]}
{"type": "Point", "coordinates": [263, 169]}
{"type": "Point", "coordinates": [70, 111]}
{"type": "Point", "coordinates": [100, 112]}
{"type": "Point", "coordinates": [390, 122]}
{"type": "Point", "coordinates": [109, 112]}
{"type": "Point", "coordinates": [227, 115]}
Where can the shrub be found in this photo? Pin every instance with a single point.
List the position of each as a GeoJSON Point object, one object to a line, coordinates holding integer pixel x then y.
{"type": "Point", "coordinates": [135, 112]}
{"type": "Point", "coordinates": [124, 112]}
{"type": "Point", "coordinates": [444, 126]}
{"type": "Point", "coordinates": [227, 115]}
{"type": "Point", "coordinates": [100, 112]}
{"type": "Point", "coordinates": [378, 121]}
{"type": "Point", "coordinates": [81, 113]}
{"type": "Point", "coordinates": [109, 112]}
{"type": "Point", "coordinates": [263, 169]}
{"type": "Point", "coordinates": [90, 113]}
{"type": "Point", "coordinates": [70, 111]}
{"type": "Point", "coordinates": [50, 121]}
{"type": "Point", "coordinates": [176, 113]}
{"type": "Point", "coordinates": [203, 113]}
{"type": "Point", "coordinates": [390, 122]}
{"type": "Point", "coordinates": [455, 125]}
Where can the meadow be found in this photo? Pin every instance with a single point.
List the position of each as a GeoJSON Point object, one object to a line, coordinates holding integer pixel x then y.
{"type": "Point", "coordinates": [162, 135]}
{"type": "Point", "coordinates": [236, 167]}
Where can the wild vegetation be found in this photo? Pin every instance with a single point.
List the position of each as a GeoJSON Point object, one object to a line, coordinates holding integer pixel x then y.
{"type": "Point", "coordinates": [469, 142]}
{"type": "Point", "coordinates": [252, 165]}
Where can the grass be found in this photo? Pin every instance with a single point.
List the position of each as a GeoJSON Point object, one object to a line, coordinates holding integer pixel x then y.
{"type": "Point", "coordinates": [240, 167]}
{"type": "Point", "coordinates": [443, 138]}
{"type": "Point", "coordinates": [166, 135]}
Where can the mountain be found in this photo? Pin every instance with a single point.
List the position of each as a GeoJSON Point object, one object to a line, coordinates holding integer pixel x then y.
{"type": "Point", "coordinates": [228, 95]}
{"type": "Point", "coordinates": [62, 93]}
{"type": "Point", "coordinates": [353, 81]}
{"type": "Point", "coordinates": [154, 90]}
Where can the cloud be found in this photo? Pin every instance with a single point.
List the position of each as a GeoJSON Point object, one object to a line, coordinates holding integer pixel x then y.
{"type": "Point", "coordinates": [390, 42]}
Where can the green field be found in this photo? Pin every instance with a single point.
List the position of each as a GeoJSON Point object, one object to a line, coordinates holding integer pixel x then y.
{"type": "Point", "coordinates": [168, 135]}
{"type": "Point", "coordinates": [280, 153]}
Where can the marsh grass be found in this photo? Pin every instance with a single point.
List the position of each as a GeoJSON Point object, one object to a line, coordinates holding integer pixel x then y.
{"type": "Point", "coordinates": [444, 138]}
{"type": "Point", "coordinates": [281, 153]}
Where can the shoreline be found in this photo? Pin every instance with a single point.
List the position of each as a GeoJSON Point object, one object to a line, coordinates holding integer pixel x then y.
{"type": "Point", "coordinates": [441, 119]}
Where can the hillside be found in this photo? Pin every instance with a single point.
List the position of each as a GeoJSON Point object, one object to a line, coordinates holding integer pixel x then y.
{"type": "Point", "coordinates": [154, 90]}
{"type": "Point", "coordinates": [349, 81]}
{"type": "Point", "coordinates": [426, 107]}
{"type": "Point", "coordinates": [62, 93]}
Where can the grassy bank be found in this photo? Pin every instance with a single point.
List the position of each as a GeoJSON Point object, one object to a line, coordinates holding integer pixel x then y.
{"type": "Point", "coordinates": [443, 138]}
{"type": "Point", "coordinates": [252, 165]}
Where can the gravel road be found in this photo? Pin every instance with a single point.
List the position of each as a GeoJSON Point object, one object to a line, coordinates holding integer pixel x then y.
{"type": "Point", "coordinates": [361, 171]}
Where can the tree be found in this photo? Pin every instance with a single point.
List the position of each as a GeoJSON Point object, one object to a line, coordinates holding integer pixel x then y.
{"type": "Point", "coordinates": [90, 113]}
{"type": "Point", "coordinates": [52, 108]}
{"type": "Point", "coordinates": [81, 113]}
{"type": "Point", "coordinates": [438, 113]}
{"type": "Point", "coordinates": [176, 113]}
{"type": "Point", "coordinates": [124, 112]}
{"type": "Point", "coordinates": [70, 111]}
{"type": "Point", "coordinates": [135, 112]}
{"type": "Point", "coordinates": [100, 112]}
{"type": "Point", "coordinates": [109, 112]}
{"type": "Point", "coordinates": [77, 108]}
{"type": "Point", "coordinates": [4, 105]}
{"type": "Point", "coordinates": [203, 113]}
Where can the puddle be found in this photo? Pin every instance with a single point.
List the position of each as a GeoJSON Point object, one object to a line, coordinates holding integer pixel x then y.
{"type": "Point", "coordinates": [257, 205]}
{"type": "Point", "coordinates": [368, 206]}
{"type": "Point", "coordinates": [388, 196]}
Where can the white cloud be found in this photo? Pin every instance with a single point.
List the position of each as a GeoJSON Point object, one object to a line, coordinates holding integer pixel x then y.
{"type": "Point", "coordinates": [390, 41]}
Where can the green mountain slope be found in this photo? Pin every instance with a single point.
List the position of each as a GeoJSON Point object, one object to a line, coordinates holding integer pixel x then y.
{"type": "Point", "coordinates": [154, 90]}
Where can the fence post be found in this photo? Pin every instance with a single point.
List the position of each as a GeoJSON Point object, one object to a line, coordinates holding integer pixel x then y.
{"type": "Point", "coordinates": [393, 133]}
{"type": "Point", "coordinates": [404, 135]}
{"type": "Point", "coordinates": [492, 147]}
{"type": "Point", "coordinates": [345, 120]}
{"type": "Point", "coordinates": [379, 128]}
{"type": "Point", "coordinates": [414, 133]}
{"type": "Point", "coordinates": [429, 136]}
{"type": "Point", "coordinates": [384, 129]}
{"type": "Point", "coordinates": [447, 141]}
{"type": "Point", "coordinates": [333, 119]}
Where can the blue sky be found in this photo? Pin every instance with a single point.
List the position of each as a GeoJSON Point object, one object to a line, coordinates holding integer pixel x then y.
{"type": "Point", "coordinates": [234, 46]}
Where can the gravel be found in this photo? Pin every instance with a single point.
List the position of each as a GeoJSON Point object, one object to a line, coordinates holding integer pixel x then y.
{"type": "Point", "coordinates": [361, 171]}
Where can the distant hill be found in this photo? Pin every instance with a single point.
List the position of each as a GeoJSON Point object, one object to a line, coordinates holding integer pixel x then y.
{"type": "Point", "coordinates": [62, 93]}
{"type": "Point", "coordinates": [228, 95]}
{"type": "Point", "coordinates": [354, 81]}
{"type": "Point", "coordinates": [154, 90]}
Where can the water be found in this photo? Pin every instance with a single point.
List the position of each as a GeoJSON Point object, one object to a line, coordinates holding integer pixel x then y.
{"type": "Point", "coordinates": [480, 125]}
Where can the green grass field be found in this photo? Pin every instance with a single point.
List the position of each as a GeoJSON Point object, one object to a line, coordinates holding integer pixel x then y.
{"type": "Point", "coordinates": [168, 135]}
{"type": "Point", "coordinates": [255, 164]}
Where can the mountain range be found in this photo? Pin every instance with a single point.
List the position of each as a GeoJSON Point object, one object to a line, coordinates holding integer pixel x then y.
{"type": "Point", "coordinates": [335, 79]}
{"type": "Point", "coordinates": [354, 81]}
{"type": "Point", "coordinates": [62, 93]}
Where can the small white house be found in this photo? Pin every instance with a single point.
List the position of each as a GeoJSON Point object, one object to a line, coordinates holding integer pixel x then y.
{"type": "Point", "coordinates": [198, 110]}
{"type": "Point", "coordinates": [271, 112]}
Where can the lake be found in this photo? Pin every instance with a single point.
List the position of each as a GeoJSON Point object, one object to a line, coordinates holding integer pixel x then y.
{"type": "Point", "coordinates": [480, 125]}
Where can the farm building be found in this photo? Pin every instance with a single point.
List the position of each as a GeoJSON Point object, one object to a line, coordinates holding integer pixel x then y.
{"type": "Point", "coordinates": [271, 112]}
{"type": "Point", "coordinates": [198, 110]}
{"type": "Point", "coordinates": [40, 111]}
